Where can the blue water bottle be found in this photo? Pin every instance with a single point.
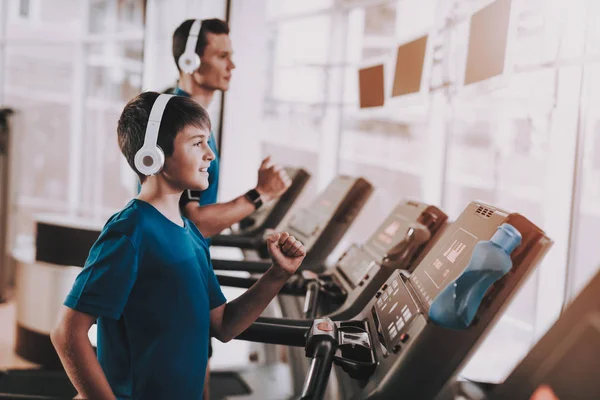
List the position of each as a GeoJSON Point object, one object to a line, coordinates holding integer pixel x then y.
{"type": "Point", "coordinates": [456, 306]}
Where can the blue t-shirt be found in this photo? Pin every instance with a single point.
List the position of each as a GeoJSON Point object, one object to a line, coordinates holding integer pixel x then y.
{"type": "Point", "coordinates": [208, 196]}
{"type": "Point", "coordinates": [151, 283]}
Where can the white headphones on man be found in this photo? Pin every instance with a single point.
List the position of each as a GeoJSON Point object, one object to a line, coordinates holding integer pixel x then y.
{"type": "Point", "coordinates": [189, 61]}
{"type": "Point", "coordinates": [149, 160]}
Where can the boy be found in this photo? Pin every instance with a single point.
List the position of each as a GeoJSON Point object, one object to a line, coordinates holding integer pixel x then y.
{"type": "Point", "coordinates": [148, 279]}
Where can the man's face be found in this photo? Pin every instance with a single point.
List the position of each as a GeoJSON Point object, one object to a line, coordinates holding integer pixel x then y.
{"type": "Point", "coordinates": [215, 71]}
{"type": "Point", "coordinates": [187, 167]}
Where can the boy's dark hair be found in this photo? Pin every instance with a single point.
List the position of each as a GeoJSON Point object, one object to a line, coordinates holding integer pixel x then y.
{"type": "Point", "coordinates": [180, 36]}
{"type": "Point", "coordinates": [179, 113]}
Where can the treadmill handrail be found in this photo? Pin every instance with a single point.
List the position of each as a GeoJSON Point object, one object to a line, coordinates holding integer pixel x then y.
{"type": "Point", "coordinates": [291, 287]}
{"type": "Point", "coordinates": [243, 242]}
{"type": "Point", "coordinates": [317, 377]}
{"type": "Point", "coordinates": [241, 265]}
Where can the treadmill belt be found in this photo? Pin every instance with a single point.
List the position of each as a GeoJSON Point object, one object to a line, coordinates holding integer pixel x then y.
{"type": "Point", "coordinates": [49, 384]}
{"type": "Point", "coordinates": [227, 383]}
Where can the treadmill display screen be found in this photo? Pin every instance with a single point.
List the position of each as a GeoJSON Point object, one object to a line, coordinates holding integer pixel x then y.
{"type": "Point", "coordinates": [309, 221]}
{"type": "Point", "coordinates": [355, 264]}
{"type": "Point", "coordinates": [449, 263]}
{"type": "Point", "coordinates": [394, 310]}
{"type": "Point", "coordinates": [388, 235]}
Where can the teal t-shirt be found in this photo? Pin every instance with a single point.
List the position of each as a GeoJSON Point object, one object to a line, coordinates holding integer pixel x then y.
{"type": "Point", "coordinates": [151, 284]}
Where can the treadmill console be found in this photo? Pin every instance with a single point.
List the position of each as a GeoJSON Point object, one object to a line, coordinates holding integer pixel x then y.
{"type": "Point", "coordinates": [406, 344]}
{"type": "Point", "coordinates": [388, 234]}
{"type": "Point", "coordinates": [393, 313]}
{"type": "Point", "coordinates": [273, 212]}
{"type": "Point", "coordinates": [430, 279]}
{"type": "Point", "coordinates": [321, 225]}
{"type": "Point", "coordinates": [355, 264]}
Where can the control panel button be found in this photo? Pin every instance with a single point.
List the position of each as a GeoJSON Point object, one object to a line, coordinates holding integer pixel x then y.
{"type": "Point", "coordinates": [325, 326]}
{"type": "Point", "coordinates": [361, 283]}
{"type": "Point", "coordinates": [396, 349]}
{"type": "Point", "coordinates": [404, 337]}
{"type": "Point", "coordinates": [384, 287]}
{"type": "Point", "coordinates": [378, 295]}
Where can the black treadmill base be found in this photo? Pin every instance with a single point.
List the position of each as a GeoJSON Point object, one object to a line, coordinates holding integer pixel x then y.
{"type": "Point", "coordinates": [226, 383]}
{"type": "Point", "coordinates": [47, 384]}
{"type": "Point", "coordinates": [36, 347]}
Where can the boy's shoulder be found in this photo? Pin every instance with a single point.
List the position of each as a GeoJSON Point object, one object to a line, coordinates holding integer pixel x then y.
{"type": "Point", "coordinates": [129, 221]}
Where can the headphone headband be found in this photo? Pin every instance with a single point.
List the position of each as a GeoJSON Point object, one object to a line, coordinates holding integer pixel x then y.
{"type": "Point", "coordinates": [150, 159]}
{"type": "Point", "coordinates": [189, 61]}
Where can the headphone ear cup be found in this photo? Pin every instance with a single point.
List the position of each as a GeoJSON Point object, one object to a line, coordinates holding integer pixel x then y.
{"type": "Point", "coordinates": [149, 160]}
{"type": "Point", "coordinates": [189, 63]}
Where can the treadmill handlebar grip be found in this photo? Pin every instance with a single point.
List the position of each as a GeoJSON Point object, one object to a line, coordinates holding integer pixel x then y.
{"type": "Point", "coordinates": [286, 335]}
{"type": "Point", "coordinates": [293, 287]}
{"type": "Point", "coordinates": [235, 281]}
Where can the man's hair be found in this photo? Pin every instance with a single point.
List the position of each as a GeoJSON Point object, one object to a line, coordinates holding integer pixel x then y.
{"type": "Point", "coordinates": [180, 36]}
{"type": "Point", "coordinates": [179, 113]}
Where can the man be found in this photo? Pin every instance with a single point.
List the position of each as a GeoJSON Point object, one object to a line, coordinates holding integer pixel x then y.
{"type": "Point", "coordinates": [213, 46]}
{"type": "Point", "coordinates": [200, 82]}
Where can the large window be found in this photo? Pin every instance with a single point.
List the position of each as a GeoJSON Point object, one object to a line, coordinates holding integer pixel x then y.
{"type": "Point", "coordinates": [494, 112]}
{"type": "Point", "coordinates": [69, 68]}
{"type": "Point", "coordinates": [585, 254]}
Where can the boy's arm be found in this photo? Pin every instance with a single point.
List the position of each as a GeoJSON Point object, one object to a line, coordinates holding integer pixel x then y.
{"type": "Point", "coordinates": [212, 219]}
{"type": "Point", "coordinates": [70, 338]}
{"type": "Point", "coordinates": [229, 320]}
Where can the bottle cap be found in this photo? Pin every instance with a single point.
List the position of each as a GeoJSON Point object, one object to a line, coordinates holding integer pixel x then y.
{"type": "Point", "coordinates": [507, 237]}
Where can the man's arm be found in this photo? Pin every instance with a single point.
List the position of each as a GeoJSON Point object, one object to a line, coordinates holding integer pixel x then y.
{"type": "Point", "coordinates": [214, 218]}
{"type": "Point", "coordinates": [231, 319]}
{"type": "Point", "coordinates": [70, 339]}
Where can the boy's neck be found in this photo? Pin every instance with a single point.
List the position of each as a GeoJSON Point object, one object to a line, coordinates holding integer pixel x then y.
{"type": "Point", "coordinates": [162, 197]}
{"type": "Point", "coordinates": [200, 94]}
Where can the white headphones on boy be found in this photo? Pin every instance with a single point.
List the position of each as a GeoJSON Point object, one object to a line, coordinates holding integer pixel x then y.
{"type": "Point", "coordinates": [149, 160]}
{"type": "Point", "coordinates": [189, 61]}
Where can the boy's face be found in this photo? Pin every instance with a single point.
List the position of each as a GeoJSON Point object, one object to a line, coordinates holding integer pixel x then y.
{"type": "Point", "coordinates": [216, 67]}
{"type": "Point", "coordinates": [187, 167]}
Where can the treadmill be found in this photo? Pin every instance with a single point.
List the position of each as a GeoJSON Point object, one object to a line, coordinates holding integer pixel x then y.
{"type": "Point", "coordinates": [392, 349]}
{"type": "Point", "coordinates": [319, 227]}
{"type": "Point", "coordinates": [566, 360]}
{"type": "Point", "coordinates": [271, 213]}
{"type": "Point", "coordinates": [343, 290]}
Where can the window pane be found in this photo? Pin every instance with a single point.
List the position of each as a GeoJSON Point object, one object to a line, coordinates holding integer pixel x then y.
{"type": "Point", "coordinates": [108, 16]}
{"type": "Point", "coordinates": [114, 76]}
{"type": "Point", "coordinates": [303, 41]}
{"type": "Point", "coordinates": [61, 12]}
{"type": "Point", "coordinates": [287, 8]}
{"type": "Point", "coordinates": [587, 223]}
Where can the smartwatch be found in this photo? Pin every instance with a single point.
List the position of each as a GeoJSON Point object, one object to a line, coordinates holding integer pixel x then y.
{"type": "Point", "coordinates": [254, 197]}
{"type": "Point", "coordinates": [189, 196]}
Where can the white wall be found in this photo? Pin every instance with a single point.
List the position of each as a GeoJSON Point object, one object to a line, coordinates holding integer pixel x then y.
{"type": "Point", "coordinates": [242, 124]}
